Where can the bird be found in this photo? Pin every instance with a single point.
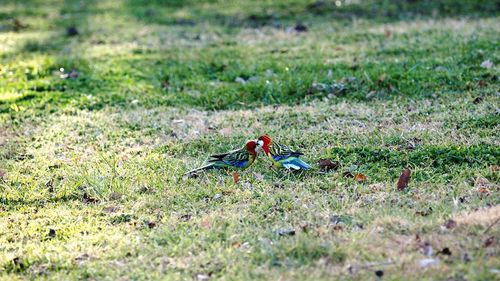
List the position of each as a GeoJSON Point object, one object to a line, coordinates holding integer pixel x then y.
{"type": "Point", "coordinates": [237, 159]}
{"type": "Point", "coordinates": [282, 155]}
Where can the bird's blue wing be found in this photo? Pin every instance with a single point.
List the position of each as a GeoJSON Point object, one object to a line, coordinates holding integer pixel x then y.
{"type": "Point", "coordinates": [295, 164]}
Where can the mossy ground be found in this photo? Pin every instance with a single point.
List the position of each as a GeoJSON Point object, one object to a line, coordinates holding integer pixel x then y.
{"type": "Point", "coordinates": [97, 129]}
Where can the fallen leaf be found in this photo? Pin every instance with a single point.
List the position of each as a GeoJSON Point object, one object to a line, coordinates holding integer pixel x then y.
{"type": "Point", "coordinates": [487, 64]}
{"type": "Point", "coordinates": [494, 169]}
{"type": "Point", "coordinates": [450, 224]}
{"type": "Point", "coordinates": [327, 165]}
{"type": "Point", "coordinates": [404, 179]}
{"type": "Point", "coordinates": [359, 177]}
{"type": "Point", "coordinates": [490, 241]}
{"type": "Point", "coordinates": [483, 190]}
{"type": "Point", "coordinates": [481, 83]}
{"type": "Point", "coordinates": [236, 177]}
{"type": "Point", "coordinates": [2, 173]}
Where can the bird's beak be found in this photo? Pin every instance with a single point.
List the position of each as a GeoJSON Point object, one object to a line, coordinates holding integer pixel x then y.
{"type": "Point", "coordinates": [259, 145]}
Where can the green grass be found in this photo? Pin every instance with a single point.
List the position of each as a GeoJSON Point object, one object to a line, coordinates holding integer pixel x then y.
{"type": "Point", "coordinates": [98, 155]}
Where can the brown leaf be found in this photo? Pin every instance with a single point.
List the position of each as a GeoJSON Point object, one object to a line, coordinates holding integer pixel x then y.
{"type": "Point", "coordinates": [450, 224]}
{"type": "Point", "coordinates": [2, 173]}
{"type": "Point", "coordinates": [483, 190]}
{"type": "Point", "coordinates": [236, 177]}
{"type": "Point", "coordinates": [404, 179]}
{"type": "Point", "coordinates": [494, 168]}
{"type": "Point", "coordinates": [359, 177]}
{"type": "Point", "coordinates": [327, 165]}
{"type": "Point", "coordinates": [490, 241]}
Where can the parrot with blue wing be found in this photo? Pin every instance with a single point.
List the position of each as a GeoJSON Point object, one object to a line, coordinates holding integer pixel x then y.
{"type": "Point", "coordinates": [282, 155]}
{"type": "Point", "coordinates": [237, 159]}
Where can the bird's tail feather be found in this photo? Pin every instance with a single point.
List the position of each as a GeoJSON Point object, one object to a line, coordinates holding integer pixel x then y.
{"type": "Point", "coordinates": [203, 168]}
{"type": "Point", "coordinates": [296, 164]}
{"type": "Point", "coordinates": [301, 164]}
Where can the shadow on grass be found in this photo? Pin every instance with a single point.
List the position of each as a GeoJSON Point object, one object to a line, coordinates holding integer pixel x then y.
{"type": "Point", "coordinates": [281, 13]}
{"type": "Point", "coordinates": [209, 80]}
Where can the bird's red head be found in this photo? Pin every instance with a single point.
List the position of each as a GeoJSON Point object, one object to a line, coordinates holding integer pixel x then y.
{"type": "Point", "coordinates": [251, 147]}
{"type": "Point", "coordinates": [266, 142]}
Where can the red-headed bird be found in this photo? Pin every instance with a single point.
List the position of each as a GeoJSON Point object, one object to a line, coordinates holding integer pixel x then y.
{"type": "Point", "coordinates": [282, 155]}
{"type": "Point", "coordinates": [238, 159]}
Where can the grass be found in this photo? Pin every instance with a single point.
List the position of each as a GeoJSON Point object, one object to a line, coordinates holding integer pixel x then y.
{"type": "Point", "coordinates": [96, 130]}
